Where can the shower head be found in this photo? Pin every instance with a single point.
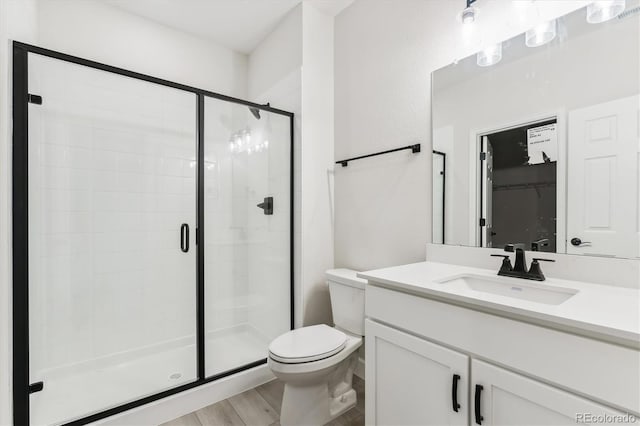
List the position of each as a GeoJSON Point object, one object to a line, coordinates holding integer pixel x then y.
{"type": "Point", "coordinates": [256, 112]}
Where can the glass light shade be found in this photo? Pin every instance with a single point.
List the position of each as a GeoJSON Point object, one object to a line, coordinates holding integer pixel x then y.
{"type": "Point", "coordinates": [541, 34]}
{"type": "Point", "coordinates": [489, 56]}
{"type": "Point", "coordinates": [604, 10]}
{"type": "Point", "coordinates": [468, 15]}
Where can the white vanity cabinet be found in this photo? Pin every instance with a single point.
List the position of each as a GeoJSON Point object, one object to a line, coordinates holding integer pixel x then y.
{"type": "Point", "coordinates": [510, 372]}
{"type": "Point", "coordinates": [413, 382]}
{"type": "Point", "coordinates": [501, 397]}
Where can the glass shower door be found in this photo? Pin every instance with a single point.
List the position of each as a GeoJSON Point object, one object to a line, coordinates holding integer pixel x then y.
{"type": "Point", "coordinates": [112, 264]}
{"type": "Point", "coordinates": [247, 228]}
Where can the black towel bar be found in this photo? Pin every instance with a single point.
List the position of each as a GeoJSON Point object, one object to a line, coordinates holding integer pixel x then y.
{"type": "Point", "coordinates": [414, 148]}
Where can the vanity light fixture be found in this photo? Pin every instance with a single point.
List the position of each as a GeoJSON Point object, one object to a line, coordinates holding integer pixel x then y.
{"type": "Point", "coordinates": [604, 10]}
{"type": "Point", "coordinates": [468, 15]}
{"type": "Point", "coordinates": [541, 34]}
{"type": "Point", "coordinates": [490, 55]}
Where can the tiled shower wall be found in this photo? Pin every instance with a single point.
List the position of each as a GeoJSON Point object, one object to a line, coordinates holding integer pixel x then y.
{"type": "Point", "coordinates": [247, 252]}
{"type": "Point", "coordinates": [112, 178]}
{"type": "Point", "coordinates": [225, 220]}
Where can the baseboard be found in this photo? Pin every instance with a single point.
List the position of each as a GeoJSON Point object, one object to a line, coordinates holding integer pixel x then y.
{"type": "Point", "coordinates": [192, 400]}
{"type": "Point", "coordinates": [359, 371]}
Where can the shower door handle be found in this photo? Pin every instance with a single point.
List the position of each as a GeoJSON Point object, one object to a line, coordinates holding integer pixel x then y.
{"type": "Point", "coordinates": [184, 237]}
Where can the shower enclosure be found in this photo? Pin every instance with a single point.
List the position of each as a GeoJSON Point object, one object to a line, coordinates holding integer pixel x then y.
{"type": "Point", "coordinates": [152, 236]}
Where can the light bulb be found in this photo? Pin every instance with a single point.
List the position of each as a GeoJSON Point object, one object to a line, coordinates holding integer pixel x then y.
{"type": "Point", "coordinates": [541, 34]}
{"type": "Point", "coordinates": [468, 15]}
{"type": "Point", "coordinates": [604, 10]}
{"type": "Point", "coordinates": [489, 56]}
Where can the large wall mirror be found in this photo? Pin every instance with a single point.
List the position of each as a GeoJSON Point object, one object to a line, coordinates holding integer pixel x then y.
{"type": "Point", "coordinates": [537, 139]}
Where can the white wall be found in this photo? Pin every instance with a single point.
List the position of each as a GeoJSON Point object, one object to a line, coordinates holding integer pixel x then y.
{"type": "Point", "coordinates": [93, 30]}
{"type": "Point", "coordinates": [284, 44]}
{"type": "Point", "coordinates": [317, 162]}
{"type": "Point", "coordinates": [301, 80]}
{"type": "Point", "coordinates": [385, 51]}
{"type": "Point", "coordinates": [280, 83]}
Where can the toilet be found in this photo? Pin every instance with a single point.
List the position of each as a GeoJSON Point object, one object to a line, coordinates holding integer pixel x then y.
{"type": "Point", "coordinates": [316, 363]}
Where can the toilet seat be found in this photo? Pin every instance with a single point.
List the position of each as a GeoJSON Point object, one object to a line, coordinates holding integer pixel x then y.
{"type": "Point", "coordinates": [307, 344]}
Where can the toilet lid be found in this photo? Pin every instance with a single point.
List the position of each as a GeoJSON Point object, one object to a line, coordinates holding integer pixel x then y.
{"type": "Point", "coordinates": [307, 344]}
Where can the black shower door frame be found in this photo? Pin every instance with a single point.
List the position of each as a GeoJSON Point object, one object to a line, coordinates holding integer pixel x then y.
{"type": "Point", "coordinates": [20, 229]}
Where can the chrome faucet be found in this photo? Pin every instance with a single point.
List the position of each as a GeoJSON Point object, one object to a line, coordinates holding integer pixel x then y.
{"type": "Point", "coordinates": [519, 269]}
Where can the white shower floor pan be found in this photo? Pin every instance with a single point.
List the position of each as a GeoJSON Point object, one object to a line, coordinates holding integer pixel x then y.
{"type": "Point", "coordinates": [74, 395]}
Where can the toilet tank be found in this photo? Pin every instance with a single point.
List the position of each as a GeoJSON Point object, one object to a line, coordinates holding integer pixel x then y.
{"type": "Point", "coordinates": [347, 300]}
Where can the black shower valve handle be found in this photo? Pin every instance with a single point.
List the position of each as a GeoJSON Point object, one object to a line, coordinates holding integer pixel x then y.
{"type": "Point", "coordinates": [266, 206]}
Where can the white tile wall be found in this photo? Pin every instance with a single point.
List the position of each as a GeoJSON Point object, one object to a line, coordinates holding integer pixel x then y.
{"type": "Point", "coordinates": [225, 226]}
{"type": "Point", "coordinates": [112, 178]}
{"type": "Point", "coordinates": [269, 267]}
{"type": "Point", "coordinates": [247, 252]}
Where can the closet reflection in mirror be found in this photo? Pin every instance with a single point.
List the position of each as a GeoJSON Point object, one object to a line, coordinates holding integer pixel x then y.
{"type": "Point", "coordinates": [543, 147]}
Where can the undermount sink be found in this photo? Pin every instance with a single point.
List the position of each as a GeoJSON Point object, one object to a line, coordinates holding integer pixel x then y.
{"type": "Point", "coordinates": [511, 287]}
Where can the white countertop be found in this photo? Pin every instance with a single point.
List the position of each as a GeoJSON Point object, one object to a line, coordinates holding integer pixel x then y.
{"type": "Point", "coordinates": [600, 311]}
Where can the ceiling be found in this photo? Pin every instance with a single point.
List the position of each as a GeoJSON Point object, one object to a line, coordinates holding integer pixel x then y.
{"type": "Point", "coordinates": [237, 24]}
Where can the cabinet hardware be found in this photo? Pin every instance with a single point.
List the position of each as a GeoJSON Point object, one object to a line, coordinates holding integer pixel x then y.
{"type": "Point", "coordinates": [454, 392]}
{"type": "Point", "coordinates": [478, 394]}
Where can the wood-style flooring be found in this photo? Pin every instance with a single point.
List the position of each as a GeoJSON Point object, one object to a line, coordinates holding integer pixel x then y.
{"type": "Point", "coordinates": [261, 407]}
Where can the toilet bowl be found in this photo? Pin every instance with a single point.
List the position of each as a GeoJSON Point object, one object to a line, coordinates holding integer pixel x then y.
{"type": "Point", "coordinates": [316, 363]}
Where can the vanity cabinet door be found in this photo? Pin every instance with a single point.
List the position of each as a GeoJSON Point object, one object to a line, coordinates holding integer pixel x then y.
{"type": "Point", "coordinates": [410, 381]}
{"type": "Point", "coordinates": [500, 397]}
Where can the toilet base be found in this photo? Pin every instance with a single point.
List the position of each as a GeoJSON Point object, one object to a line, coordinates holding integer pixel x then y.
{"type": "Point", "coordinates": [312, 406]}
{"type": "Point", "coordinates": [316, 404]}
